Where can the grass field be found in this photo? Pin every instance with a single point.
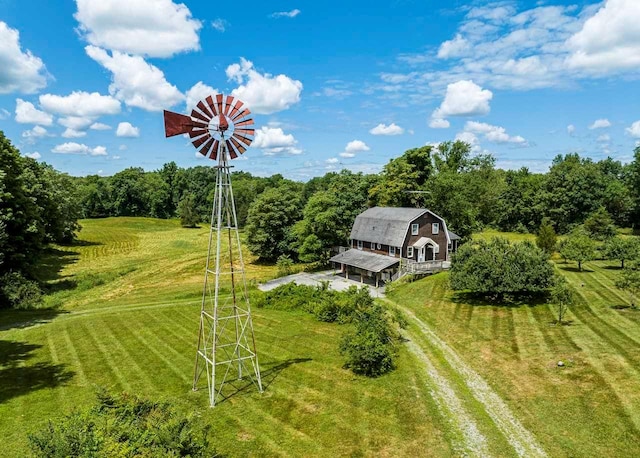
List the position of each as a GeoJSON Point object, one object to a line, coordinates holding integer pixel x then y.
{"type": "Point", "coordinates": [591, 407]}
{"type": "Point", "coordinates": [475, 380]}
{"type": "Point", "coordinates": [131, 294]}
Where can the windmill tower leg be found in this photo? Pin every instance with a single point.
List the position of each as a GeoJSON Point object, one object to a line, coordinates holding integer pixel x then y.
{"type": "Point", "coordinates": [226, 343]}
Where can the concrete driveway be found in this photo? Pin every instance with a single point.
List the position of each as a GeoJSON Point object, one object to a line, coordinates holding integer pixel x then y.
{"type": "Point", "coordinates": [336, 282]}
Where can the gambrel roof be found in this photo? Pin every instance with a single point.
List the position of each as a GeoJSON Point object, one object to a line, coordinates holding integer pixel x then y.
{"type": "Point", "coordinates": [385, 225]}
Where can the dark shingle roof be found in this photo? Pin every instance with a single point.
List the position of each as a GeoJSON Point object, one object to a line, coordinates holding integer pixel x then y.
{"type": "Point", "coordinates": [373, 262]}
{"type": "Point", "coordinates": [384, 225]}
{"type": "Point", "coordinates": [453, 236]}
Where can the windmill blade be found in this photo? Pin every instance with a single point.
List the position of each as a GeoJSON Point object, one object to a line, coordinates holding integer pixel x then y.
{"type": "Point", "coordinates": [241, 149]}
{"type": "Point", "coordinates": [205, 148]}
{"type": "Point", "coordinates": [199, 141]}
{"type": "Point", "coordinates": [212, 105]}
{"type": "Point", "coordinates": [247, 132]}
{"type": "Point", "coordinates": [200, 116]}
{"type": "Point", "coordinates": [242, 114]}
{"type": "Point", "coordinates": [228, 104]}
{"type": "Point", "coordinates": [214, 151]}
{"type": "Point", "coordinates": [232, 151]}
{"type": "Point", "coordinates": [247, 122]}
{"type": "Point", "coordinates": [219, 102]}
{"type": "Point", "coordinates": [197, 133]}
{"type": "Point", "coordinates": [245, 140]}
{"type": "Point", "coordinates": [205, 109]}
{"type": "Point", "coordinates": [176, 123]}
{"type": "Point", "coordinates": [235, 109]}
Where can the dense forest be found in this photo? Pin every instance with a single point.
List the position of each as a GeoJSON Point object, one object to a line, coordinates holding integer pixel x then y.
{"type": "Point", "coordinates": [39, 205]}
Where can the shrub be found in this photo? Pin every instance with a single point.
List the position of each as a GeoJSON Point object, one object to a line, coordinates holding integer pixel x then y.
{"type": "Point", "coordinates": [122, 425]}
{"type": "Point", "coordinates": [370, 348]}
{"type": "Point", "coordinates": [285, 265]}
{"type": "Point", "coordinates": [546, 238]}
{"type": "Point", "coordinates": [19, 292]}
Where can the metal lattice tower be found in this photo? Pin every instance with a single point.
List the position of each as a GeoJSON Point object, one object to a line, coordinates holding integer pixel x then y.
{"type": "Point", "coordinates": [226, 350]}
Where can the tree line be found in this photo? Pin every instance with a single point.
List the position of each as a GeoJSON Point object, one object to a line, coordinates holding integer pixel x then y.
{"type": "Point", "coordinates": [302, 221]}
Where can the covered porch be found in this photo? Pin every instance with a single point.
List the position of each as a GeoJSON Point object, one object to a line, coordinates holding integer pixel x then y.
{"type": "Point", "coordinates": [370, 268]}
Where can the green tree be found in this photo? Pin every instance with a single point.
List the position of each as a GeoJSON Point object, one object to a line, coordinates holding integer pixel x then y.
{"type": "Point", "coordinates": [370, 348]}
{"type": "Point", "coordinates": [629, 281]}
{"type": "Point", "coordinates": [578, 246]}
{"type": "Point", "coordinates": [546, 238]}
{"type": "Point", "coordinates": [285, 265]}
{"type": "Point", "coordinates": [498, 268]}
{"type": "Point", "coordinates": [562, 296]}
{"type": "Point", "coordinates": [600, 224]}
{"type": "Point", "coordinates": [270, 222]}
{"type": "Point", "coordinates": [187, 211]}
{"type": "Point", "coordinates": [622, 249]}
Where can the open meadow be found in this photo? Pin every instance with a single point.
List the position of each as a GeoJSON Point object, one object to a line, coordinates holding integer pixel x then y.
{"type": "Point", "coordinates": [472, 379]}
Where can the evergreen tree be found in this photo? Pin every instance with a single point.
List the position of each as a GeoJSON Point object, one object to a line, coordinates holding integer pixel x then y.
{"type": "Point", "coordinates": [600, 224]}
{"type": "Point", "coordinates": [547, 238]}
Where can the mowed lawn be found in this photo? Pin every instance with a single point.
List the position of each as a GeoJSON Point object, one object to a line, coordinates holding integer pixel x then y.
{"type": "Point", "coordinates": [591, 407]}
{"type": "Point", "coordinates": [130, 297]}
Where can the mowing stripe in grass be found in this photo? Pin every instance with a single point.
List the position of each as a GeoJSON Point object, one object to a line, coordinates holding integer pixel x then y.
{"type": "Point", "coordinates": [106, 356]}
{"type": "Point", "coordinates": [518, 436]}
{"type": "Point", "coordinates": [168, 363]}
{"type": "Point", "coordinates": [77, 363]}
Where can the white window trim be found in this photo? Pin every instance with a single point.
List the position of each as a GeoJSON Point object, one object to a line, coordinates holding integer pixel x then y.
{"type": "Point", "coordinates": [392, 250]}
{"type": "Point", "coordinates": [409, 252]}
{"type": "Point", "coordinates": [359, 244]}
{"type": "Point", "coordinates": [435, 228]}
{"type": "Point", "coordinates": [415, 229]}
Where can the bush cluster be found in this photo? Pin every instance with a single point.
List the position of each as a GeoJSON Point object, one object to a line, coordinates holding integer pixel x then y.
{"type": "Point", "coordinates": [370, 346]}
{"type": "Point", "coordinates": [122, 426]}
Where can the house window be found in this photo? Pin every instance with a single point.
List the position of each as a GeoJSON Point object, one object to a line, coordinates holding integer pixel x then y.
{"type": "Point", "coordinates": [414, 229]}
{"type": "Point", "coordinates": [392, 251]}
{"type": "Point", "coordinates": [435, 228]}
{"type": "Point", "coordinates": [409, 252]}
{"type": "Point", "coordinates": [379, 246]}
{"type": "Point", "coordinates": [359, 244]}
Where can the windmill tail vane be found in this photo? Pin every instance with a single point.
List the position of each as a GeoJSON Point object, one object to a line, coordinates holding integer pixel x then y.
{"type": "Point", "coordinates": [220, 128]}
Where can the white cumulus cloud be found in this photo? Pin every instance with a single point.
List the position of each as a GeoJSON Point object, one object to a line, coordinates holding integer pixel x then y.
{"type": "Point", "coordinates": [20, 71]}
{"type": "Point", "coordinates": [99, 126]}
{"type": "Point", "coordinates": [273, 140]}
{"type": "Point", "coordinates": [79, 148]}
{"type": "Point", "coordinates": [80, 104]}
{"type": "Point", "coordinates": [135, 81]}
{"type": "Point", "coordinates": [75, 122]}
{"type": "Point", "coordinates": [154, 28]}
{"type": "Point", "coordinates": [353, 147]}
{"type": "Point", "coordinates": [34, 155]}
{"type": "Point", "coordinates": [464, 98]}
{"type": "Point", "coordinates": [72, 133]}
{"type": "Point", "coordinates": [36, 132]}
{"type": "Point", "coordinates": [453, 48]}
{"type": "Point", "coordinates": [634, 129]}
{"type": "Point", "coordinates": [125, 129]}
{"type": "Point", "coordinates": [609, 40]}
{"type": "Point", "coordinates": [600, 124]}
{"type": "Point", "coordinates": [26, 113]}
{"type": "Point", "coordinates": [439, 123]}
{"type": "Point", "coordinates": [198, 91]}
{"type": "Point", "coordinates": [264, 93]}
{"type": "Point", "coordinates": [391, 129]}
{"type": "Point", "coordinates": [494, 134]}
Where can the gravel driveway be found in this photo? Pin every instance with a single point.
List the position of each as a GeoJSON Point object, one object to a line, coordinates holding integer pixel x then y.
{"type": "Point", "coordinates": [336, 282]}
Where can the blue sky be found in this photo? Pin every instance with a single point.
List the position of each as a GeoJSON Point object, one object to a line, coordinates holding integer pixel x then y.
{"type": "Point", "coordinates": [333, 84]}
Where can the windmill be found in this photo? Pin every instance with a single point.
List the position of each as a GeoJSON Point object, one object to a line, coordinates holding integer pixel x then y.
{"type": "Point", "coordinates": [220, 128]}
